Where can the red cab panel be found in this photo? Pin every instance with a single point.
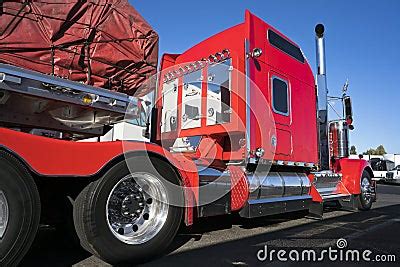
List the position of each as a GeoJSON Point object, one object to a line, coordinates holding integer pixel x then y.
{"type": "Point", "coordinates": [352, 170]}
{"type": "Point", "coordinates": [286, 82]}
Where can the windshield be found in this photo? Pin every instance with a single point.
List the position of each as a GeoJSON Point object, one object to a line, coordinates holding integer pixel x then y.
{"type": "Point", "coordinates": [382, 165]}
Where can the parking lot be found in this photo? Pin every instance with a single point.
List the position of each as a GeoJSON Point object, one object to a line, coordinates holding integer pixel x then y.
{"type": "Point", "coordinates": [234, 241]}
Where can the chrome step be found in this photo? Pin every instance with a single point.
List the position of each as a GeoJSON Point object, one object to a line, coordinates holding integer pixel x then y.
{"type": "Point", "coordinates": [332, 197]}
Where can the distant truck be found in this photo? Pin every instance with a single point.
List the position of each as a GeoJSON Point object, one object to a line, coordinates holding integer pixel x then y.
{"type": "Point", "coordinates": [380, 164]}
{"type": "Point", "coordinates": [381, 167]}
{"type": "Point", "coordinates": [393, 157]}
{"type": "Point", "coordinates": [393, 176]}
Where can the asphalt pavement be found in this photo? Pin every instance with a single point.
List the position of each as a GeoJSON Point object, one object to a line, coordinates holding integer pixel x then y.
{"type": "Point", "coordinates": [233, 241]}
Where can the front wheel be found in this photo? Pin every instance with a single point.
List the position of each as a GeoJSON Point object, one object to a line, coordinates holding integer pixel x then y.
{"type": "Point", "coordinates": [366, 197]}
{"type": "Point", "coordinates": [125, 217]}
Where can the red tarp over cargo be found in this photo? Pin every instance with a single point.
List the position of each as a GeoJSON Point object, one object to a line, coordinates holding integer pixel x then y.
{"type": "Point", "coordinates": [104, 43]}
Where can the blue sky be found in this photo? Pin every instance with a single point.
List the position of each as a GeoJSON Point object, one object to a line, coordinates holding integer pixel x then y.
{"type": "Point", "coordinates": [363, 42]}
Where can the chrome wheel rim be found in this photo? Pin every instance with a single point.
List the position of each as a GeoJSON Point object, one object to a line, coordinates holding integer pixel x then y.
{"type": "Point", "coordinates": [137, 208]}
{"type": "Point", "coordinates": [366, 189]}
{"type": "Point", "coordinates": [4, 215]}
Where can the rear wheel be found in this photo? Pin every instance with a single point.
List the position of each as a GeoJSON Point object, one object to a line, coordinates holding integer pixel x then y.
{"type": "Point", "coordinates": [19, 210]}
{"type": "Point", "coordinates": [125, 216]}
{"type": "Point", "coordinates": [365, 199]}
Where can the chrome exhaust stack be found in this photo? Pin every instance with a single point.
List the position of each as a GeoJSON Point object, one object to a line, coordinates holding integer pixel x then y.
{"type": "Point", "coordinates": [322, 99]}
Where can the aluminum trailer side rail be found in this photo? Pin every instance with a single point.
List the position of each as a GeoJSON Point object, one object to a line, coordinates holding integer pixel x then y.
{"type": "Point", "coordinates": [33, 83]}
{"type": "Point", "coordinates": [34, 100]}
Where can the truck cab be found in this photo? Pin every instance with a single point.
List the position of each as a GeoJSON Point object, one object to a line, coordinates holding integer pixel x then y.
{"type": "Point", "coordinates": [248, 88]}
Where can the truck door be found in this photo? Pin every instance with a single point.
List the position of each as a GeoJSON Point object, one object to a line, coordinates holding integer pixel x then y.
{"type": "Point", "coordinates": [272, 85]}
{"type": "Point", "coordinates": [279, 86]}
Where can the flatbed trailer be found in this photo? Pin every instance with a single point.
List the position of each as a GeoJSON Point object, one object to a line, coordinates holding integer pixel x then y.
{"type": "Point", "coordinates": [240, 155]}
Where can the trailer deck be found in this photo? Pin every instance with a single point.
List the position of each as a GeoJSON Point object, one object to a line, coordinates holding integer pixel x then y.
{"type": "Point", "coordinates": [30, 99]}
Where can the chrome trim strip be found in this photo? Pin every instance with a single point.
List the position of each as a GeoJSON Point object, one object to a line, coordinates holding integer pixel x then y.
{"type": "Point", "coordinates": [28, 74]}
{"type": "Point", "coordinates": [278, 199]}
{"type": "Point", "coordinates": [334, 196]}
{"type": "Point", "coordinates": [293, 163]}
{"type": "Point", "coordinates": [327, 174]}
{"type": "Point", "coordinates": [248, 110]}
{"type": "Point", "coordinates": [206, 171]}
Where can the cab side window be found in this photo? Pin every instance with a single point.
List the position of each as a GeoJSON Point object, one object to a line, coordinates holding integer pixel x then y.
{"type": "Point", "coordinates": [280, 96]}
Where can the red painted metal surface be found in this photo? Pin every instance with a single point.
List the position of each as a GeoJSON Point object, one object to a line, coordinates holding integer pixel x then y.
{"type": "Point", "coordinates": [352, 170]}
{"type": "Point", "coordinates": [296, 134]}
{"type": "Point", "coordinates": [316, 196]}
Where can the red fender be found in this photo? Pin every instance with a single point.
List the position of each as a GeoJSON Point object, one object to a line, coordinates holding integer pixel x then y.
{"type": "Point", "coordinates": [53, 157]}
{"type": "Point", "coordinates": [352, 170]}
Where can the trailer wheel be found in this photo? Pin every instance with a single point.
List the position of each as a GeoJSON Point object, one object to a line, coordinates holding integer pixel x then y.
{"type": "Point", "coordinates": [19, 210]}
{"type": "Point", "coordinates": [365, 199]}
{"type": "Point", "coordinates": [125, 217]}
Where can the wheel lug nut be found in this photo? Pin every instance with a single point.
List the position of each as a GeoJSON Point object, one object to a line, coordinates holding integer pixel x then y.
{"type": "Point", "coordinates": [146, 216]}
{"type": "Point", "coordinates": [135, 228]}
{"type": "Point", "coordinates": [149, 201]}
{"type": "Point", "coordinates": [121, 231]}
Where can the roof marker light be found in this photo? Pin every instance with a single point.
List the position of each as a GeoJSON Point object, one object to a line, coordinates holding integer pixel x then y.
{"type": "Point", "coordinates": [198, 65]}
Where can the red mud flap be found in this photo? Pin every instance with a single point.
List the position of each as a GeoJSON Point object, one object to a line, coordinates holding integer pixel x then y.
{"type": "Point", "coordinates": [328, 187]}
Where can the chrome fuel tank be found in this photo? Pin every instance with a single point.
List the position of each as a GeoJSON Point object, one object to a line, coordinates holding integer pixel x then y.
{"type": "Point", "coordinates": [278, 185]}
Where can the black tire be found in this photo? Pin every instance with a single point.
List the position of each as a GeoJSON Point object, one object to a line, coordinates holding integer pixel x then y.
{"type": "Point", "coordinates": [23, 202]}
{"type": "Point", "coordinates": [90, 216]}
{"type": "Point", "coordinates": [364, 203]}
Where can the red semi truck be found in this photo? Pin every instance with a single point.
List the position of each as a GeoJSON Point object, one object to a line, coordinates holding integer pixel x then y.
{"type": "Point", "coordinates": [239, 125]}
